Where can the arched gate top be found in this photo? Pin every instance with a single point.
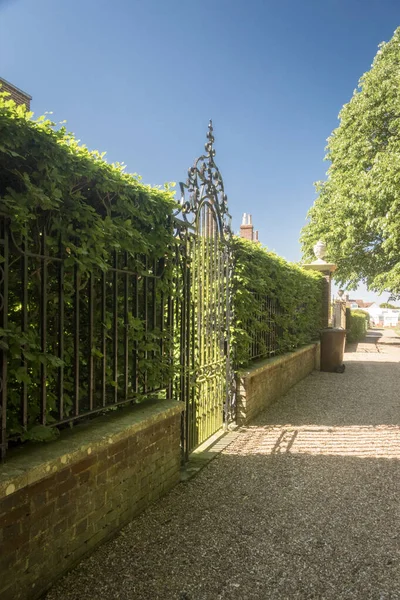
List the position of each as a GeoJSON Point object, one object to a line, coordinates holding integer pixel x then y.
{"type": "Point", "coordinates": [205, 183]}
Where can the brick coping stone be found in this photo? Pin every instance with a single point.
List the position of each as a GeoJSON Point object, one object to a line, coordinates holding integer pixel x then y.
{"type": "Point", "coordinates": [25, 466]}
{"type": "Point", "coordinates": [275, 361]}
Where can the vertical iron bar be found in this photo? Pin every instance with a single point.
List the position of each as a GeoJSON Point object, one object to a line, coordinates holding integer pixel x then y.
{"type": "Point", "coordinates": [3, 324]}
{"type": "Point", "coordinates": [202, 278]}
{"type": "Point", "coordinates": [103, 337]}
{"type": "Point", "coordinates": [190, 405]}
{"type": "Point", "coordinates": [214, 323]}
{"type": "Point", "coordinates": [154, 297]}
{"type": "Point", "coordinates": [196, 246]}
{"type": "Point", "coordinates": [208, 336]}
{"type": "Point", "coordinates": [215, 305]}
{"type": "Point", "coordinates": [259, 322]}
{"type": "Point", "coordinates": [162, 323]}
{"type": "Point", "coordinates": [43, 329]}
{"type": "Point", "coordinates": [154, 308]}
{"type": "Point", "coordinates": [91, 342]}
{"type": "Point", "coordinates": [76, 340]}
{"type": "Point", "coordinates": [126, 329]}
{"type": "Point", "coordinates": [145, 317]}
{"type": "Point", "coordinates": [163, 314]}
{"type": "Point", "coordinates": [154, 303]}
{"type": "Point", "coordinates": [183, 253]}
{"type": "Point", "coordinates": [184, 338]}
{"type": "Point", "coordinates": [270, 327]}
{"type": "Point", "coordinates": [187, 334]}
{"type": "Point", "coordinates": [220, 313]}
{"type": "Point", "coordinates": [191, 338]}
{"type": "Point", "coordinates": [170, 327]}
{"type": "Point", "coordinates": [228, 349]}
{"type": "Point", "coordinates": [135, 312]}
{"type": "Point", "coordinates": [24, 329]}
{"type": "Point", "coordinates": [61, 334]}
{"type": "Point", "coordinates": [115, 327]}
{"type": "Point", "coordinates": [206, 346]}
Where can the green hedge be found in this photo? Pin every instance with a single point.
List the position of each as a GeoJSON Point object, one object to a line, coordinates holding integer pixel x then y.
{"type": "Point", "coordinates": [96, 217]}
{"type": "Point", "coordinates": [356, 325]}
{"type": "Point", "coordinates": [277, 304]}
{"type": "Point", "coordinates": [363, 313]}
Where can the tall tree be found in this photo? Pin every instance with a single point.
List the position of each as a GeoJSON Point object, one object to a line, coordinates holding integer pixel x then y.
{"type": "Point", "coordinates": [357, 210]}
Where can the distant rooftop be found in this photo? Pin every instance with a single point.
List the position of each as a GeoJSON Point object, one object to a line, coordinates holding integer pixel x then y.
{"type": "Point", "coordinates": [18, 95]}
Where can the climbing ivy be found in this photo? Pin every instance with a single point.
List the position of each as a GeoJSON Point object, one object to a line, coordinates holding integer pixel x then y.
{"type": "Point", "coordinates": [295, 294]}
{"type": "Point", "coordinates": [63, 200]}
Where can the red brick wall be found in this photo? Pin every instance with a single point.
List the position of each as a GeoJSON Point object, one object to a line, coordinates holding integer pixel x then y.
{"type": "Point", "coordinates": [266, 381]}
{"type": "Point", "coordinates": [45, 528]}
{"type": "Point", "coordinates": [17, 95]}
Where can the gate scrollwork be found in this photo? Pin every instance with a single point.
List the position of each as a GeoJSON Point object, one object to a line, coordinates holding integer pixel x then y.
{"type": "Point", "coordinates": [206, 386]}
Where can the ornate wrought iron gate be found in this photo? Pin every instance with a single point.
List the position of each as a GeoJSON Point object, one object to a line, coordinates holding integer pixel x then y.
{"type": "Point", "coordinates": [206, 381]}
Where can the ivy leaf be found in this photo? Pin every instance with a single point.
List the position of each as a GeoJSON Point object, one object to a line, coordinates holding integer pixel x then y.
{"type": "Point", "coordinates": [40, 433]}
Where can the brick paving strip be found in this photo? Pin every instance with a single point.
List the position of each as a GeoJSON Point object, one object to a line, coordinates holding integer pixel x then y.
{"type": "Point", "coordinates": [304, 503]}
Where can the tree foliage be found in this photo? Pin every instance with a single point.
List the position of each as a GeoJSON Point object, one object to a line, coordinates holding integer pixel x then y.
{"type": "Point", "coordinates": [357, 210]}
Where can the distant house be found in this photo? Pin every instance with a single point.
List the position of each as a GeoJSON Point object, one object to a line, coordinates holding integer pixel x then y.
{"type": "Point", "coordinates": [357, 303]}
{"type": "Point", "coordinates": [376, 314]}
{"type": "Point", "coordinates": [247, 229]}
{"type": "Point", "coordinates": [384, 317]}
{"type": "Point", "coordinates": [390, 317]}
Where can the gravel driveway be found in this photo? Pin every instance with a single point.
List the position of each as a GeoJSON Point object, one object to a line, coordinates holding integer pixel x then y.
{"type": "Point", "coordinates": [305, 503]}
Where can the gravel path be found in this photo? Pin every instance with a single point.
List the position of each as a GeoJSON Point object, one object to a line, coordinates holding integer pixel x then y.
{"type": "Point", "coordinates": [303, 504]}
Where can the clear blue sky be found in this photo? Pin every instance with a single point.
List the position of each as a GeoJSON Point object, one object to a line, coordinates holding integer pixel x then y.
{"type": "Point", "coordinates": [140, 79]}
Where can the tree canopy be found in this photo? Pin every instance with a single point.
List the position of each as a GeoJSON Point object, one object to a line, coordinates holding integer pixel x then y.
{"type": "Point", "coordinates": [357, 210]}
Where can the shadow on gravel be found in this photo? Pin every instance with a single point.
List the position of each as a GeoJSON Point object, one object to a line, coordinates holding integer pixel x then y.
{"type": "Point", "coordinates": [351, 347]}
{"type": "Point", "coordinates": [372, 337]}
{"type": "Point", "coordinates": [362, 441]}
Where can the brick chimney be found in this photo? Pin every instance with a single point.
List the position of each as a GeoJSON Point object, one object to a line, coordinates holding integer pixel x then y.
{"type": "Point", "coordinates": [16, 94]}
{"type": "Point", "coordinates": [246, 228]}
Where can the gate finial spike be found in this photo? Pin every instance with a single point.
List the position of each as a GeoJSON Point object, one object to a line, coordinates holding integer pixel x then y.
{"type": "Point", "coordinates": [210, 140]}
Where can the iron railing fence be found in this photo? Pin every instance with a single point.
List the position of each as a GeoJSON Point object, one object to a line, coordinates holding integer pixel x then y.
{"type": "Point", "coordinates": [273, 330]}
{"type": "Point", "coordinates": [264, 331]}
{"type": "Point", "coordinates": [73, 343]}
{"type": "Point", "coordinates": [81, 334]}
